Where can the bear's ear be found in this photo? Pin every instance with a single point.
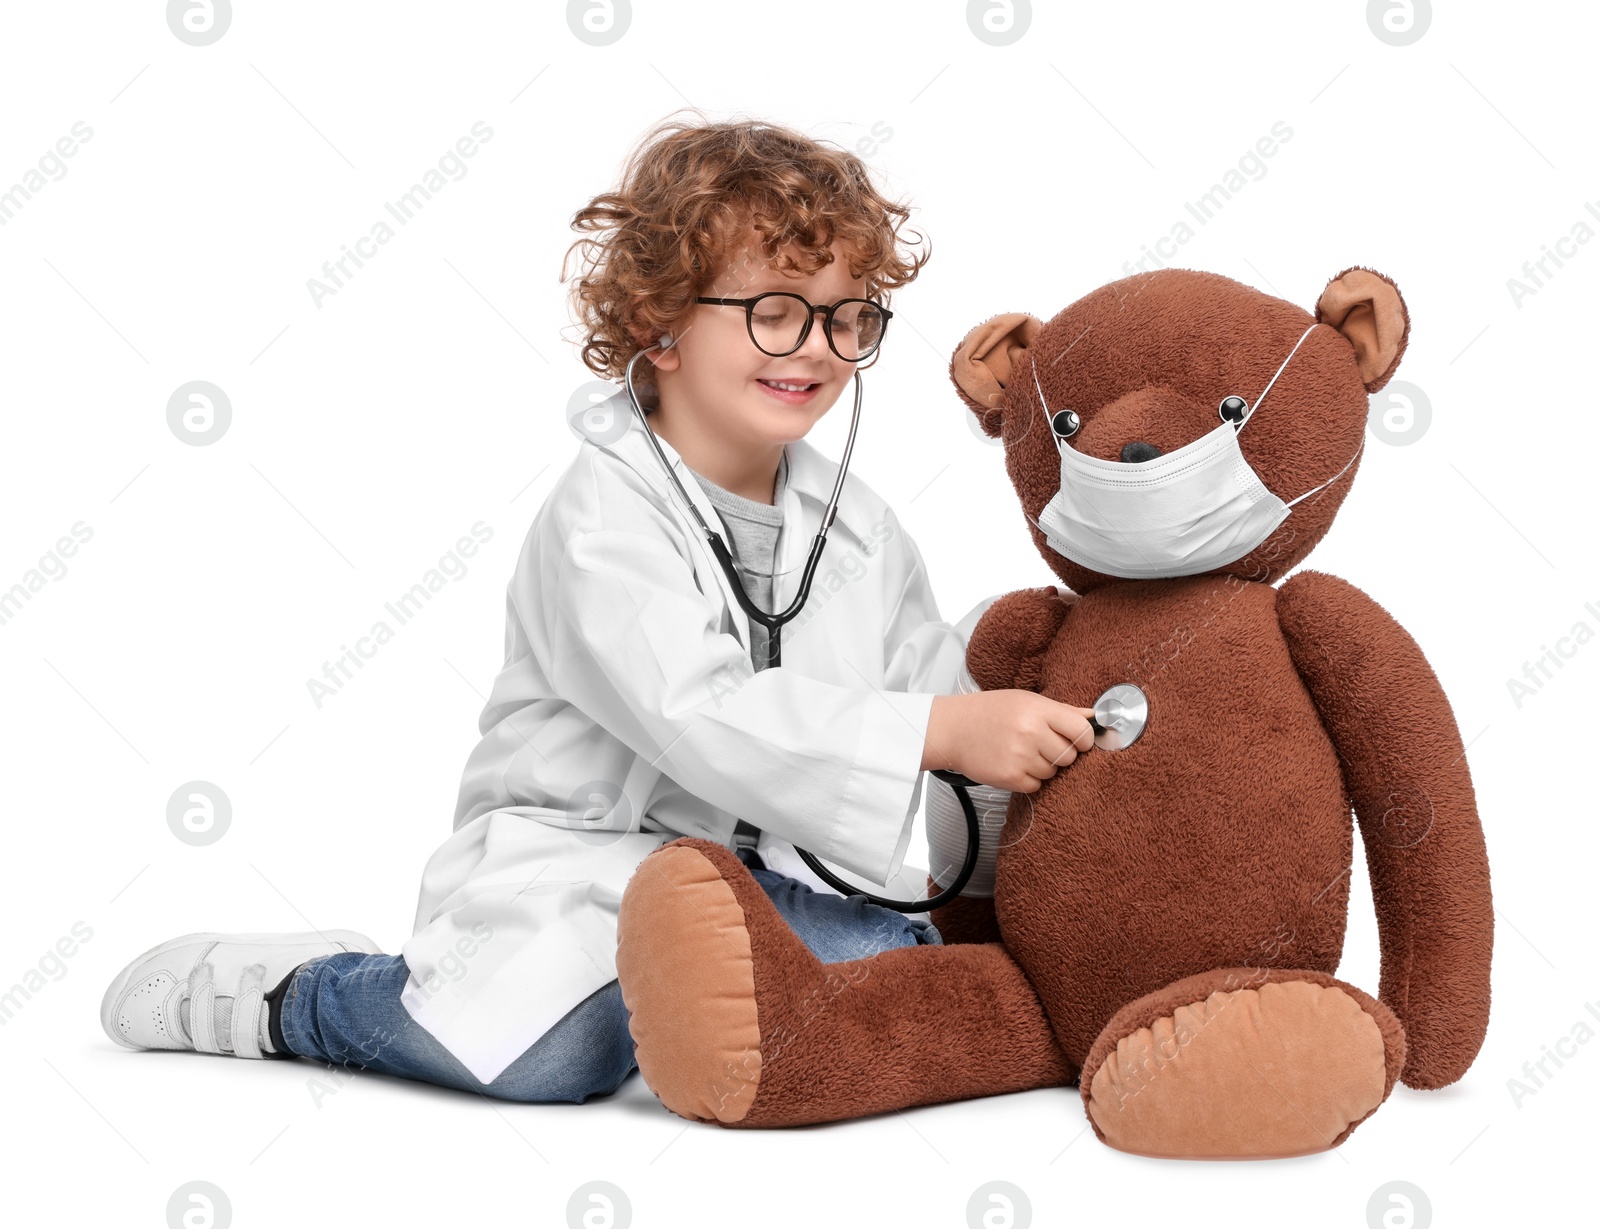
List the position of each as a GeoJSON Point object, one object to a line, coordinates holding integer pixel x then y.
{"type": "Point", "coordinates": [982, 364]}
{"type": "Point", "coordinates": [1367, 308]}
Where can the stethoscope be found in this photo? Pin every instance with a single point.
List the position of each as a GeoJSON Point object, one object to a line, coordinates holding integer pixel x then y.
{"type": "Point", "coordinates": [1119, 716]}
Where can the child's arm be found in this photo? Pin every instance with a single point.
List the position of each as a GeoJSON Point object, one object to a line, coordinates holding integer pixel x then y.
{"type": "Point", "coordinates": [1004, 652]}
{"type": "Point", "coordinates": [621, 631]}
{"type": "Point", "coordinates": [1014, 628]}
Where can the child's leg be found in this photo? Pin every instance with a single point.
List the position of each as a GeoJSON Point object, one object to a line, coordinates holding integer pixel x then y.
{"type": "Point", "coordinates": [333, 999]}
{"type": "Point", "coordinates": [839, 928]}
{"type": "Point", "coordinates": [205, 991]}
{"type": "Point", "coordinates": [346, 1010]}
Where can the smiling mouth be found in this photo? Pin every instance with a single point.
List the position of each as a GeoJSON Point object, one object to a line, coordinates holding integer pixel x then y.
{"type": "Point", "coordinates": [790, 392]}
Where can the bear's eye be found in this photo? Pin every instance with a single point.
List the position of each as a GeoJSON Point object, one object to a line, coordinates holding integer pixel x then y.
{"type": "Point", "coordinates": [1064, 423]}
{"type": "Point", "coordinates": [1232, 410]}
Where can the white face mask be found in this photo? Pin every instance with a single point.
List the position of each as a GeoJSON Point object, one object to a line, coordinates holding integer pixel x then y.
{"type": "Point", "coordinates": [1181, 514]}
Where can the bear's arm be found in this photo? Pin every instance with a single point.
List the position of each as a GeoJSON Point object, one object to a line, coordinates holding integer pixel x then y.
{"type": "Point", "coordinates": [1406, 773]}
{"type": "Point", "coordinates": [1007, 647]}
{"type": "Point", "coordinates": [966, 919]}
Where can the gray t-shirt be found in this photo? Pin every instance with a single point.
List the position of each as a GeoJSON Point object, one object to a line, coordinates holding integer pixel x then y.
{"type": "Point", "coordinates": [751, 531]}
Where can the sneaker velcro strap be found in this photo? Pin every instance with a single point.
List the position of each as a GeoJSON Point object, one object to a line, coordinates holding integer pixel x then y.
{"type": "Point", "coordinates": [202, 1017]}
{"type": "Point", "coordinates": [247, 1012]}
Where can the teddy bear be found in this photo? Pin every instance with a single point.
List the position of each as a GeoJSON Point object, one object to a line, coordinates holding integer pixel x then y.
{"type": "Point", "coordinates": [1169, 910]}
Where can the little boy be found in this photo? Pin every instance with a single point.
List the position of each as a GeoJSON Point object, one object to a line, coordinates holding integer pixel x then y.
{"type": "Point", "coordinates": [636, 705]}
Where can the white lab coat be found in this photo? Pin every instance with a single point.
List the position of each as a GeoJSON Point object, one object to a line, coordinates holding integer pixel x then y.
{"type": "Point", "coordinates": [628, 714]}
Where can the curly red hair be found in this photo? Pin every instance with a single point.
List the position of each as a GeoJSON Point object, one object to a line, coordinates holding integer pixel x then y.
{"type": "Point", "coordinates": [689, 193]}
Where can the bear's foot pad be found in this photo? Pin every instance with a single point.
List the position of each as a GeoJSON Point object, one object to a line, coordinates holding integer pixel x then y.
{"type": "Point", "coordinates": [686, 965]}
{"type": "Point", "coordinates": [1278, 1069]}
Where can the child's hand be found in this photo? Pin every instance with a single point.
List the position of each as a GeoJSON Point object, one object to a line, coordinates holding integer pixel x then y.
{"type": "Point", "coordinates": [1009, 739]}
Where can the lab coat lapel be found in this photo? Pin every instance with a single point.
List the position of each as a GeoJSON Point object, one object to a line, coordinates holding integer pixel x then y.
{"type": "Point", "coordinates": [633, 447]}
{"type": "Point", "coordinates": [807, 488]}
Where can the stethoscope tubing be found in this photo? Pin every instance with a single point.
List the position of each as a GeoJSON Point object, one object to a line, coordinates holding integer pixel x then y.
{"type": "Point", "coordinates": [773, 622]}
{"type": "Point", "coordinates": [774, 625]}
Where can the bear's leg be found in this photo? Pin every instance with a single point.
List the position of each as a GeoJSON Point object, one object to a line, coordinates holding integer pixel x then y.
{"type": "Point", "coordinates": [1241, 1063]}
{"type": "Point", "coordinates": [735, 1021]}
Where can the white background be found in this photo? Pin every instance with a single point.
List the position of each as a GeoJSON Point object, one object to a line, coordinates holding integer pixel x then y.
{"type": "Point", "coordinates": [431, 393]}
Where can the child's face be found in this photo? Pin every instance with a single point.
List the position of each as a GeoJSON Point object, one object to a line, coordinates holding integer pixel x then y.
{"type": "Point", "coordinates": [717, 374]}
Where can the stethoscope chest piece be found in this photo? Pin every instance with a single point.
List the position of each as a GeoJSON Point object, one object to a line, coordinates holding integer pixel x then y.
{"type": "Point", "coordinates": [1120, 715]}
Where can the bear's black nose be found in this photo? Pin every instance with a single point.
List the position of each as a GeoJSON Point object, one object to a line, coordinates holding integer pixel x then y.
{"type": "Point", "coordinates": [1138, 451]}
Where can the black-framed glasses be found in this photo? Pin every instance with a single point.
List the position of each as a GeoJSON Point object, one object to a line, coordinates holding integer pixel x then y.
{"type": "Point", "coordinates": [779, 323]}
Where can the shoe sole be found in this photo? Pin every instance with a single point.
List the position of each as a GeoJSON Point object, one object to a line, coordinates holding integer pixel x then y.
{"type": "Point", "coordinates": [353, 940]}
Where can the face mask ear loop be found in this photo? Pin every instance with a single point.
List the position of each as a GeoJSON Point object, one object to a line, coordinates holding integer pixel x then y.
{"type": "Point", "coordinates": [1361, 448]}
{"type": "Point", "coordinates": [1257, 403]}
{"type": "Point", "coordinates": [1033, 368]}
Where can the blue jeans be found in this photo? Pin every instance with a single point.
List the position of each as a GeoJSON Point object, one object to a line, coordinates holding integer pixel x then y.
{"type": "Point", "coordinates": [345, 1009]}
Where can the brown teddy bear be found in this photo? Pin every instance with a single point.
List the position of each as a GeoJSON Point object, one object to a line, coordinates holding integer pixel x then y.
{"type": "Point", "coordinates": [1167, 916]}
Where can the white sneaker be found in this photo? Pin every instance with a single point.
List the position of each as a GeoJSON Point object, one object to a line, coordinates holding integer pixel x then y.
{"type": "Point", "coordinates": [204, 991]}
